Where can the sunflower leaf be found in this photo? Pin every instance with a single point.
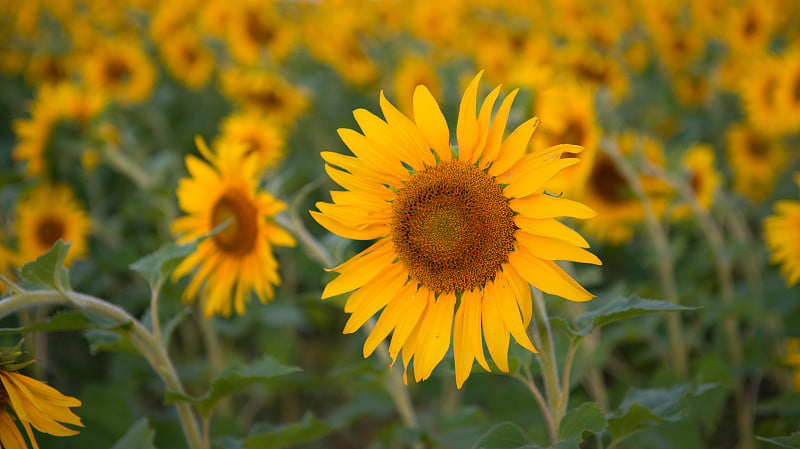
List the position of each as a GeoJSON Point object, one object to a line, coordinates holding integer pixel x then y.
{"type": "Point", "coordinates": [60, 321]}
{"type": "Point", "coordinates": [505, 435]}
{"type": "Point", "coordinates": [585, 418]}
{"type": "Point", "coordinates": [48, 269]}
{"type": "Point", "coordinates": [792, 441]}
{"type": "Point", "coordinates": [232, 379]}
{"type": "Point", "coordinates": [309, 429]}
{"type": "Point", "coordinates": [139, 436]}
{"type": "Point", "coordinates": [156, 266]}
{"type": "Point", "coordinates": [620, 309]}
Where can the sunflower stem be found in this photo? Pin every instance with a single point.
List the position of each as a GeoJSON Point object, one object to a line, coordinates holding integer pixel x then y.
{"type": "Point", "coordinates": [117, 159]}
{"type": "Point", "coordinates": [528, 381]}
{"type": "Point", "coordinates": [143, 340]}
{"type": "Point", "coordinates": [556, 398]}
{"type": "Point", "coordinates": [314, 249]}
{"type": "Point", "coordinates": [666, 272]}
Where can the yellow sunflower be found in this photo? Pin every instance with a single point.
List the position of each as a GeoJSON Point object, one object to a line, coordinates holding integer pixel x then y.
{"type": "Point", "coordinates": [782, 234]}
{"type": "Point", "coordinates": [789, 90]}
{"type": "Point", "coordinates": [48, 213]}
{"type": "Point", "coordinates": [704, 179]}
{"type": "Point", "coordinates": [265, 93]}
{"type": "Point", "coordinates": [256, 28]}
{"type": "Point", "coordinates": [34, 403]}
{"type": "Point", "coordinates": [189, 61]}
{"type": "Point", "coordinates": [756, 161]}
{"type": "Point", "coordinates": [460, 234]}
{"type": "Point", "coordinates": [262, 137]}
{"type": "Point", "coordinates": [759, 90]}
{"type": "Point", "coordinates": [238, 259]}
{"type": "Point", "coordinates": [7, 260]}
{"type": "Point", "coordinates": [121, 70]}
{"type": "Point", "coordinates": [412, 72]}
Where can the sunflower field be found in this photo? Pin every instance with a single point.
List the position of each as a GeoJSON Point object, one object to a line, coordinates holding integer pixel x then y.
{"type": "Point", "coordinates": [458, 224]}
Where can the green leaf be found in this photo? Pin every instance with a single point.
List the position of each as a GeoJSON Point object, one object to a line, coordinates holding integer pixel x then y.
{"type": "Point", "coordinates": [156, 266]}
{"type": "Point", "coordinates": [585, 417]}
{"type": "Point", "coordinates": [232, 379]}
{"type": "Point", "coordinates": [103, 340]}
{"type": "Point", "coordinates": [647, 408]}
{"type": "Point", "coordinates": [60, 321]}
{"type": "Point", "coordinates": [48, 268]}
{"type": "Point", "coordinates": [169, 328]}
{"type": "Point", "coordinates": [505, 435]}
{"type": "Point", "coordinates": [139, 436]}
{"type": "Point", "coordinates": [623, 308]}
{"type": "Point", "coordinates": [309, 429]}
{"type": "Point", "coordinates": [792, 441]}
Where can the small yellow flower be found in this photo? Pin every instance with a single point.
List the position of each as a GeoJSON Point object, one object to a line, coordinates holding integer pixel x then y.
{"type": "Point", "coordinates": [189, 61]}
{"type": "Point", "coordinates": [782, 234]}
{"type": "Point", "coordinates": [121, 70]}
{"type": "Point", "coordinates": [265, 93]}
{"type": "Point", "coordinates": [35, 404]}
{"type": "Point", "coordinates": [238, 259]}
{"type": "Point", "coordinates": [45, 215]}
{"type": "Point", "coordinates": [756, 160]}
{"type": "Point", "coordinates": [263, 138]}
{"type": "Point", "coordinates": [703, 178]}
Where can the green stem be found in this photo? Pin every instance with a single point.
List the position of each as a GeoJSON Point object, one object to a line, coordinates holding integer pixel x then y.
{"type": "Point", "coordinates": [666, 272]}
{"type": "Point", "coordinates": [144, 341]}
{"type": "Point", "coordinates": [528, 381]}
{"type": "Point", "coordinates": [154, 319]}
{"type": "Point", "coordinates": [117, 159]}
{"type": "Point", "coordinates": [556, 398]}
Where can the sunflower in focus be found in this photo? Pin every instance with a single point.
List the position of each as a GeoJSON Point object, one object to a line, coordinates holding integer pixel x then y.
{"type": "Point", "coordinates": [121, 70]}
{"type": "Point", "coordinates": [34, 403]}
{"type": "Point", "coordinates": [703, 177]}
{"type": "Point", "coordinates": [262, 137]}
{"type": "Point", "coordinates": [238, 258]}
{"type": "Point", "coordinates": [756, 160]}
{"type": "Point", "coordinates": [46, 214]}
{"type": "Point", "coordinates": [460, 233]}
{"type": "Point", "coordinates": [782, 234]}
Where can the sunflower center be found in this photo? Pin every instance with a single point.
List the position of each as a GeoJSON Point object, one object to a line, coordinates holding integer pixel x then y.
{"type": "Point", "coordinates": [3, 394]}
{"type": "Point", "coordinates": [49, 230]}
{"type": "Point", "coordinates": [266, 99]}
{"type": "Point", "coordinates": [452, 227]}
{"type": "Point", "coordinates": [573, 133]}
{"type": "Point", "coordinates": [117, 71]}
{"type": "Point", "coordinates": [796, 90]}
{"type": "Point", "coordinates": [607, 181]}
{"type": "Point", "coordinates": [696, 182]}
{"type": "Point", "coordinates": [239, 236]}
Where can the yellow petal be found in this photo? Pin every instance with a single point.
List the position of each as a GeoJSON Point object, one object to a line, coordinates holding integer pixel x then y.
{"type": "Point", "coordinates": [386, 139]}
{"type": "Point", "coordinates": [495, 137]}
{"type": "Point", "coordinates": [391, 315]}
{"type": "Point", "coordinates": [522, 292]}
{"type": "Point", "coordinates": [10, 437]}
{"type": "Point", "coordinates": [471, 300]}
{"type": "Point", "coordinates": [553, 249]}
{"type": "Point", "coordinates": [462, 350]}
{"type": "Point", "coordinates": [512, 149]}
{"type": "Point", "coordinates": [509, 311]}
{"type": "Point", "coordinates": [431, 122]}
{"type": "Point", "coordinates": [360, 272]}
{"type": "Point", "coordinates": [547, 276]}
{"type": "Point", "coordinates": [546, 206]}
{"type": "Point", "coordinates": [357, 183]}
{"type": "Point", "coordinates": [371, 304]}
{"type": "Point", "coordinates": [355, 166]}
{"type": "Point", "coordinates": [407, 135]}
{"type": "Point", "coordinates": [414, 308]}
{"type": "Point", "coordinates": [382, 161]}
{"type": "Point", "coordinates": [484, 118]}
{"type": "Point", "coordinates": [467, 132]}
{"type": "Point", "coordinates": [435, 334]}
{"type": "Point", "coordinates": [550, 227]}
{"type": "Point", "coordinates": [338, 228]}
{"type": "Point", "coordinates": [522, 184]}
{"type": "Point", "coordinates": [494, 330]}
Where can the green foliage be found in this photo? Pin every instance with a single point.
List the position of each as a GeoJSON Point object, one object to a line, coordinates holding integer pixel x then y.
{"type": "Point", "coordinates": [585, 418]}
{"type": "Point", "coordinates": [48, 269]}
{"type": "Point", "coordinates": [155, 267]}
{"type": "Point", "coordinates": [306, 430]}
{"type": "Point", "coordinates": [792, 441]}
{"type": "Point", "coordinates": [504, 435]}
{"type": "Point", "coordinates": [139, 436]}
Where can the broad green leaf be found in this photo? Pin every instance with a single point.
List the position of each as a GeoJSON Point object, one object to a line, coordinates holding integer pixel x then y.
{"type": "Point", "coordinates": [461, 429]}
{"type": "Point", "coordinates": [505, 435]}
{"type": "Point", "coordinates": [585, 417]}
{"type": "Point", "coordinates": [570, 443]}
{"type": "Point", "coordinates": [792, 441]}
{"type": "Point", "coordinates": [48, 268]}
{"type": "Point", "coordinates": [235, 378]}
{"type": "Point", "coordinates": [646, 408]}
{"type": "Point", "coordinates": [309, 429]}
{"type": "Point", "coordinates": [226, 443]}
{"type": "Point", "coordinates": [139, 436]}
{"type": "Point", "coordinates": [156, 266]}
{"type": "Point", "coordinates": [104, 340]}
{"type": "Point", "coordinates": [60, 321]}
{"type": "Point", "coordinates": [622, 308]}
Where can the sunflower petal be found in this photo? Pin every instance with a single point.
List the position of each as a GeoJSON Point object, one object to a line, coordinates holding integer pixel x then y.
{"type": "Point", "coordinates": [547, 276]}
{"type": "Point", "coordinates": [546, 206]}
{"type": "Point", "coordinates": [360, 272]}
{"type": "Point", "coordinates": [467, 132]}
{"type": "Point", "coordinates": [494, 330]}
{"type": "Point", "coordinates": [522, 184]}
{"type": "Point", "coordinates": [435, 333]}
{"type": "Point", "coordinates": [495, 137]}
{"type": "Point", "coordinates": [547, 248]}
{"type": "Point", "coordinates": [513, 147]}
{"type": "Point", "coordinates": [550, 227]}
{"type": "Point", "coordinates": [430, 120]}
{"type": "Point", "coordinates": [484, 118]}
{"type": "Point", "coordinates": [462, 350]}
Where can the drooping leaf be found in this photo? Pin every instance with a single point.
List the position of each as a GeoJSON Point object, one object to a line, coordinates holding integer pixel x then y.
{"type": "Point", "coordinates": [792, 441]}
{"type": "Point", "coordinates": [309, 429]}
{"type": "Point", "coordinates": [615, 310]}
{"type": "Point", "coordinates": [59, 321]}
{"type": "Point", "coordinates": [156, 266]}
{"type": "Point", "coordinates": [505, 435]}
{"type": "Point", "coordinates": [139, 436]}
{"type": "Point", "coordinates": [235, 378]}
{"type": "Point", "coordinates": [585, 417]}
{"type": "Point", "coordinates": [48, 269]}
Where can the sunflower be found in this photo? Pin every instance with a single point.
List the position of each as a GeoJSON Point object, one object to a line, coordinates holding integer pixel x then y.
{"type": "Point", "coordinates": [759, 90]}
{"type": "Point", "coordinates": [7, 260]}
{"type": "Point", "coordinates": [749, 27]}
{"type": "Point", "coordinates": [46, 214]}
{"type": "Point", "coordinates": [789, 90]}
{"type": "Point", "coordinates": [34, 403]}
{"type": "Point", "coordinates": [121, 70]}
{"type": "Point", "coordinates": [265, 93]}
{"type": "Point", "coordinates": [189, 61]}
{"type": "Point", "coordinates": [412, 72]}
{"type": "Point", "coordinates": [756, 161]}
{"type": "Point", "coordinates": [567, 111]}
{"type": "Point", "coordinates": [782, 234]}
{"type": "Point", "coordinates": [460, 234]}
{"type": "Point", "coordinates": [704, 179]}
{"type": "Point", "coordinates": [255, 27]}
{"type": "Point", "coordinates": [238, 258]}
{"type": "Point", "coordinates": [262, 137]}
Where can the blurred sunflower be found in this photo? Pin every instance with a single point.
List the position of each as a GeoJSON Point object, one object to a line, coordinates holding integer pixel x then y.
{"type": "Point", "coordinates": [789, 90]}
{"type": "Point", "coordinates": [8, 260]}
{"type": "Point", "coordinates": [34, 403]}
{"type": "Point", "coordinates": [607, 191]}
{"type": "Point", "coordinates": [121, 70]}
{"type": "Point", "coordinates": [46, 214]}
{"type": "Point", "coordinates": [594, 70]}
{"type": "Point", "coordinates": [567, 112]}
{"type": "Point", "coordinates": [791, 357]}
{"type": "Point", "coordinates": [759, 90]}
{"type": "Point", "coordinates": [238, 259]}
{"type": "Point", "coordinates": [265, 93]}
{"type": "Point", "coordinates": [782, 234]}
{"type": "Point", "coordinates": [704, 179]}
{"type": "Point", "coordinates": [189, 61]}
{"type": "Point", "coordinates": [749, 27]}
{"type": "Point", "coordinates": [756, 160]}
{"type": "Point", "coordinates": [256, 27]}
{"type": "Point", "coordinates": [262, 137]}
{"type": "Point", "coordinates": [412, 72]}
{"type": "Point", "coordinates": [460, 233]}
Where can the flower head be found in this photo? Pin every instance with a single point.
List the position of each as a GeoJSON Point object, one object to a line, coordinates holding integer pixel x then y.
{"type": "Point", "coordinates": [238, 258]}
{"type": "Point", "coordinates": [34, 403]}
{"type": "Point", "coordinates": [460, 233]}
{"type": "Point", "coordinates": [782, 234]}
